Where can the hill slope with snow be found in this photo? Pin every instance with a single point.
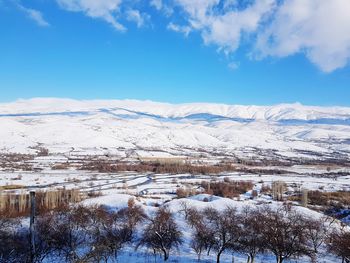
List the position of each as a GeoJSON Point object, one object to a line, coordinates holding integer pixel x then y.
{"type": "Point", "coordinates": [145, 128]}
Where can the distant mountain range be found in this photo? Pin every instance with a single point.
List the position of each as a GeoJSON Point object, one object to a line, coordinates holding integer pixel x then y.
{"type": "Point", "coordinates": [145, 128]}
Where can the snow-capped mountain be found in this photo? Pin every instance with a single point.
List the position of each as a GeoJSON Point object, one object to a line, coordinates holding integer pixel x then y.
{"type": "Point", "coordinates": [146, 128]}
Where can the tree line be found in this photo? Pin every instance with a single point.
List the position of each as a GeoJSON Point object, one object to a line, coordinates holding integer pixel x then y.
{"type": "Point", "coordinates": [283, 232]}
{"type": "Point", "coordinates": [97, 234]}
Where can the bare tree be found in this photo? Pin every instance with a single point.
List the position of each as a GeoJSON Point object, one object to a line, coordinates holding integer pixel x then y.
{"type": "Point", "coordinates": [202, 237]}
{"type": "Point", "coordinates": [46, 236]}
{"type": "Point", "coordinates": [339, 244]}
{"type": "Point", "coordinates": [14, 241]}
{"type": "Point", "coordinates": [132, 215]}
{"type": "Point", "coordinates": [185, 209]}
{"type": "Point", "coordinates": [316, 232]}
{"type": "Point", "coordinates": [304, 197]}
{"type": "Point", "coordinates": [116, 231]}
{"type": "Point", "coordinates": [199, 242]}
{"type": "Point", "coordinates": [251, 239]}
{"type": "Point", "coordinates": [283, 233]}
{"type": "Point", "coordinates": [223, 228]}
{"type": "Point", "coordinates": [161, 234]}
{"type": "Point", "coordinates": [65, 232]}
{"type": "Point", "coordinates": [278, 189]}
{"type": "Point", "coordinates": [214, 230]}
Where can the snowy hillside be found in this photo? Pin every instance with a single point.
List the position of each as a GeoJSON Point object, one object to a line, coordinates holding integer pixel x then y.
{"type": "Point", "coordinates": [144, 128]}
{"type": "Point", "coordinates": [104, 152]}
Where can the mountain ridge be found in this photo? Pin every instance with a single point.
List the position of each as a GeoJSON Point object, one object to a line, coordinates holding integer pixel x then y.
{"type": "Point", "coordinates": [145, 128]}
{"type": "Point", "coordinates": [295, 111]}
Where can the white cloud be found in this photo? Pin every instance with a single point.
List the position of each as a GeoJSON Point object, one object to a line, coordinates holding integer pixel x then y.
{"type": "Point", "coordinates": [181, 29]}
{"type": "Point", "coordinates": [319, 28]}
{"type": "Point", "coordinates": [162, 6]}
{"type": "Point", "coordinates": [103, 9]}
{"type": "Point", "coordinates": [158, 4]}
{"type": "Point", "coordinates": [225, 27]}
{"type": "Point", "coordinates": [230, 3]}
{"type": "Point", "coordinates": [135, 16]}
{"type": "Point", "coordinates": [233, 65]}
{"type": "Point", "coordinates": [35, 15]}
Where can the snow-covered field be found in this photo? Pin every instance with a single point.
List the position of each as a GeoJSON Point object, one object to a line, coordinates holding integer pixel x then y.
{"type": "Point", "coordinates": [133, 131]}
{"type": "Point", "coordinates": [157, 184]}
{"type": "Point", "coordinates": [201, 202]}
{"type": "Point", "coordinates": [154, 190]}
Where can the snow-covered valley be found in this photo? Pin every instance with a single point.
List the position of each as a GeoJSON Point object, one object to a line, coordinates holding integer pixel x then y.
{"type": "Point", "coordinates": [174, 156]}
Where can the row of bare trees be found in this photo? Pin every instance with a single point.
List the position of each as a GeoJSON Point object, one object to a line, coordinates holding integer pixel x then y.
{"type": "Point", "coordinates": [18, 204]}
{"type": "Point", "coordinates": [97, 234]}
{"type": "Point", "coordinates": [283, 232]}
{"type": "Point", "coordinates": [88, 234]}
{"type": "Point", "coordinates": [156, 167]}
{"type": "Point", "coordinates": [71, 234]}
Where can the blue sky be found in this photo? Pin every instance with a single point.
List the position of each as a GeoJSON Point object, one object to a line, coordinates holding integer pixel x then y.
{"type": "Point", "coordinates": [175, 51]}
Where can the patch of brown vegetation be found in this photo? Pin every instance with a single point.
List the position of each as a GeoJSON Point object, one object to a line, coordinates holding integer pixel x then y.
{"type": "Point", "coordinates": [12, 187]}
{"type": "Point", "coordinates": [161, 168]}
{"type": "Point", "coordinates": [320, 198]}
{"type": "Point", "coordinates": [18, 204]}
{"type": "Point", "coordinates": [228, 188]}
{"type": "Point", "coordinates": [61, 166]}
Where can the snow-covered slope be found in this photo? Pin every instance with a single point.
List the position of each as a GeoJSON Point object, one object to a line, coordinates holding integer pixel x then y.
{"type": "Point", "coordinates": [278, 112]}
{"type": "Point", "coordinates": [155, 129]}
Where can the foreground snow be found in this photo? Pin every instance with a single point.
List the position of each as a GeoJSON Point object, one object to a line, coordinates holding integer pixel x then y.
{"type": "Point", "coordinates": [202, 201]}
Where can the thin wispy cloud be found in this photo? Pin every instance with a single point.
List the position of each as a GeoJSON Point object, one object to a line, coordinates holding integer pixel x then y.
{"type": "Point", "coordinates": [233, 65]}
{"type": "Point", "coordinates": [158, 4]}
{"type": "Point", "coordinates": [34, 15]}
{"type": "Point", "coordinates": [107, 10]}
{"type": "Point", "coordinates": [141, 19]}
{"type": "Point", "coordinates": [180, 29]}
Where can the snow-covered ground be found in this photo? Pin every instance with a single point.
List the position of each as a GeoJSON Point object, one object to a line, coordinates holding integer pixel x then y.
{"type": "Point", "coordinates": [74, 131]}
{"type": "Point", "coordinates": [156, 184]}
{"type": "Point", "coordinates": [144, 128]}
{"type": "Point", "coordinates": [201, 201]}
{"type": "Point", "coordinates": [153, 190]}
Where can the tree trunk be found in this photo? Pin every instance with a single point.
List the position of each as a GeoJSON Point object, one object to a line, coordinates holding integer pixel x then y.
{"type": "Point", "coordinates": [248, 259]}
{"type": "Point", "coordinates": [166, 255]}
{"type": "Point", "coordinates": [209, 251]}
{"type": "Point", "coordinates": [218, 256]}
{"type": "Point", "coordinates": [155, 256]}
{"type": "Point", "coordinates": [314, 258]}
{"type": "Point", "coordinates": [32, 226]}
{"type": "Point", "coordinates": [252, 258]}
{"type": "Point", "coordinates": [279, 259]}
